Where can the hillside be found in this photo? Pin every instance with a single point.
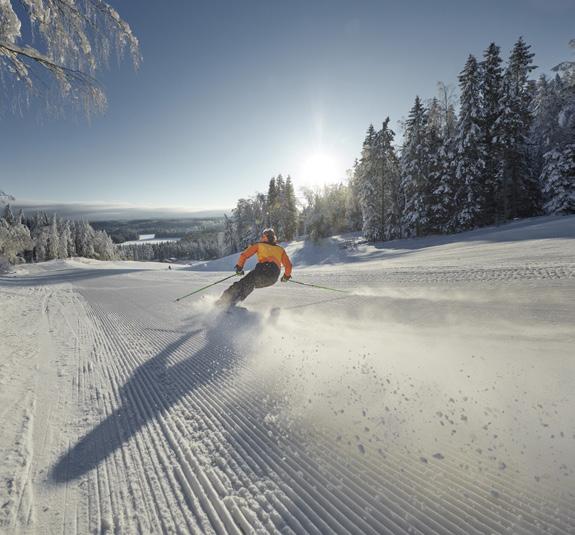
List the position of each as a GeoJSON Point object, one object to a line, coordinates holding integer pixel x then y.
{"type": "Point", "coordinates": [436, 397]}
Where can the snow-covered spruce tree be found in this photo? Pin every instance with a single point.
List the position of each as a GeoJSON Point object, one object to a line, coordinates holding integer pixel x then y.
{"type": "Point", "coordinates": [8, 215]}
{"type": "Point", "coordinates": [546, 131]}
{"type": "Point", "coordinates": [39, 231]}
{"type": "Point", "coordinates": [438, 183]}
{"type": "Point", "coordinates": [470, 158]}
{"type": "Point", "coordinates": [71, 239]}
{"type": "Point", "coordinates": [444, 206]}
{"type": "Point", "coordinates": [14, 236]}
{"type": "Point", "coordinates": [258, 204]}
{"type": "Point", "coordinates": [414, 173]}
{"type": "Point", "coordinates": [4, 199]}
{"type": "Point", "coordinates": [64, 238]}
{"type": "Point", "coordinates": [369, 187]}
{"type": "Point", "coordinates": [387, 165]}
{"type": "Point", "coordinates": [103, 246]}
{"type": "Point", "coordinates": [281, 208]}
{"type": "Point", "coordinates": [352, 207]}
{"type": "Point", "coordinates": [69, 40]}
{"type": "Point", "coordinates": [289, 212]}
{"type": "Point", "coordinates": [230, 236]}
{"type": "Point", "coordinates": [376, 184]}
{"type": "Point", "coordinates": [567, 113]}
{"type": "Point", "coordinates": [14, 240]}
{"type": "Point", "coordinates": [53, 242]}
{"type": "Point", "coordinates": [84, 235]}
{"type": "Point", "coordinates": [273, 200]}
{"type": "Point", "coordinates": [518, 188]}
{"type": "Point", "coordinates": [558, 178]}
{"type": "Point", "coordinates": [491, 91]}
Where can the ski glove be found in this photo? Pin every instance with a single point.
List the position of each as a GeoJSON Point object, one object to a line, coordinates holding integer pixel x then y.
{"type": "Point", "coordinates": [286, 278]}
{"type": "Point", "coordinates": [239, 270]}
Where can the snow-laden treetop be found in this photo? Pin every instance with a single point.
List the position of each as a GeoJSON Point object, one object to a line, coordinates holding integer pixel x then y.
{"type": "Point", "coordinates": [61, 41]}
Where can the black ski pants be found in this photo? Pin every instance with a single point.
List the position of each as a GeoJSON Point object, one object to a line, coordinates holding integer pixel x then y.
{"type": "Point", "coordinates": [264, 274]}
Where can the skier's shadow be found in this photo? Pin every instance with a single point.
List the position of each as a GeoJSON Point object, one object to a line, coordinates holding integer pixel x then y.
{"type": "Point", "coordinates": [152, 390]}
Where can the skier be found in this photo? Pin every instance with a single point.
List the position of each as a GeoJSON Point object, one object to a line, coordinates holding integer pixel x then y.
{"type": "Point", "coordinates": [270, 259]}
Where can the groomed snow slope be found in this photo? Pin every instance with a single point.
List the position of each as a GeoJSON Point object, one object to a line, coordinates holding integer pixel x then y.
{"type": "Point", "coordinates": [435, 398]}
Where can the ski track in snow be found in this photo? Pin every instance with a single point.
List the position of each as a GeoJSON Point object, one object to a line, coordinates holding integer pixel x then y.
{"type": "Point", "coordinates": [419, 404]}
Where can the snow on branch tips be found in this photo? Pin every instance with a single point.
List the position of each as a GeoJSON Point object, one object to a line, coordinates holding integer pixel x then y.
{"type": "Point", "coordinates": [68, 42]}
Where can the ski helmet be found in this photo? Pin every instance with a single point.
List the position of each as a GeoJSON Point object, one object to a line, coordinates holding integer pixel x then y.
{"type": "Point", "coordinates": [269, 235]}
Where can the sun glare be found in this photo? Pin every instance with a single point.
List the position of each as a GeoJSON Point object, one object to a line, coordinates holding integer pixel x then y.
{"type": "Point", "coordinates": [318, 169]}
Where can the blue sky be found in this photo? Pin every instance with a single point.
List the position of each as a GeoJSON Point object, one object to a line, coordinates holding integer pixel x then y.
{"type": "Point", "coordinates": [231, 93]}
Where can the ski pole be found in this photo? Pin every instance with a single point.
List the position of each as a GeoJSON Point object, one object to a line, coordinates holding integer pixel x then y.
{"type": "Point", "coordinates": [320, 287]}
{"type": "Point", "coordinates": [204, 288]}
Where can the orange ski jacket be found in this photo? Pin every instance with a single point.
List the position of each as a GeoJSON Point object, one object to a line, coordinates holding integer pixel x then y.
{"type": "Point", "coordinates": [267, 253]}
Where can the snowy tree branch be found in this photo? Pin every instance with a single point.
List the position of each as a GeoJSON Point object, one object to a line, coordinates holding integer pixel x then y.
{"type": "Point", "coordinates": [74, 37]}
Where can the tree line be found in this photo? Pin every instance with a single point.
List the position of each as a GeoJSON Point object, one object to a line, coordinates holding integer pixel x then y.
{"type": "Point", "coordinates": [43, 237]}
{"type": "Point", "coordinates": [207, 246]}
{"type": "Point", "coordinates": [506, 151]}
{"type": "Point", "coordinates": [509, 152]}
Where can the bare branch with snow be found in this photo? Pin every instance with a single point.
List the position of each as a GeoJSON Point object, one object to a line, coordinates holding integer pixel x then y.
{"type": "Point", "coordinates": [70, 40]}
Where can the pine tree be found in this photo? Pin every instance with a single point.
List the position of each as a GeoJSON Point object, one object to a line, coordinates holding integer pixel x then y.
{"type": "Point", "coordinates": [272, 204]}
{"type": "Point", "coordinates": [369, 187]}
{"type": "Point", "coordinates": [546, 132]}
{"type": "Point", "coordinates": [389, 175]}
{"type": "Point", "coordinates": [437, 192]}
{"type": "Point", "coordinates": [470, 159]}
{"type": "Point", "coordinates": [53, 241]}
{"type": "Point", "coordinates": [259, 206]}
{"type": "Point", "coordinates": [518, 192]}
{"type": "Point", "coordinates": [14, 240]}
{"type": "Point", "coordinates": [71, 239]}
{"type": "Point", "coordinates": [84, 235]}
{"type": "Point", "coordinates": [566, 70]}
{"type": "Point", "coordinates": [491, 90]}
{"type": "Point", "coordinates": [64, 239]}
{"type": "Point", "coordinates": [352, 206]}
{"type": "Point", "coordinates": [9, 216]}
{"type": "Point", "coordinates": [230, 238]}
{"type": "Point", "coordinates": [558, 179]}
{"type": "Point", "coordinates": [414, 173]}
{"type": "Point", "coordinates": [291, 213]}
{"type": "Point", "coordinates": [375, 182]}
{"type": "Point", "coordinates": [103, 246]}
{"type": "Point", "coordinates": [40, 232]}
{"type": "Point", "coordinates": [280, 205]}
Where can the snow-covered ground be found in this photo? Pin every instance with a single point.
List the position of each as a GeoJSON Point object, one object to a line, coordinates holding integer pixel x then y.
{"type": "Point", "coordinates": [437, 397]}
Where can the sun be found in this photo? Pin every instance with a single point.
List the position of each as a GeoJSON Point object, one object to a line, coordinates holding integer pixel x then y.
{"type": "Point", "coordinates": [318, 169]}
